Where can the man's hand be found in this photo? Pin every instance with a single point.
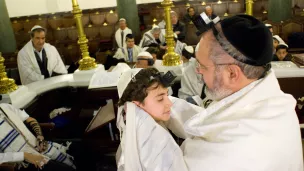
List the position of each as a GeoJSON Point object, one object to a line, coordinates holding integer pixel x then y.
{"type": "Point", "coordinates": [42, 145]}
{"type": "Point", "coordinates": [163, 47]}
{"type": "Point", "coordinates": [177, 32]}
{"type": "Point", "coordinates": [37, 160]}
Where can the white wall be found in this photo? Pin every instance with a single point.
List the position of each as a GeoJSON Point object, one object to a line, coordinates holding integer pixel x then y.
{"type": "Point", "coordinates": [18, 8]}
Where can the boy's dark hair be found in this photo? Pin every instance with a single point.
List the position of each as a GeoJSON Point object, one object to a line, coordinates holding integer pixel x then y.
{"type": "Point", "coordinates": [153, 50]}
{"type": "Point", "coordinates": [137, 90]}
{"type": "Point", "coordinates": [188, 9]}
{"type": "Point", "coordinates": [129, 36]}
{"type": "Point", "coordinates": [38, 30]}
{"type": "Point", "coordinates": [282, 47]}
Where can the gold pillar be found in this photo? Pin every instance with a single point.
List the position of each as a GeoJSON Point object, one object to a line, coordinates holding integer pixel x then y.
{"type": "Point", "coordinates": [7, 85]}
{"type": "Point", "coordinates": [249, 7]}
{"type": "Point", "coordinates": [170, 58]}
{"type": "Point", "coordinates": [86, 63]}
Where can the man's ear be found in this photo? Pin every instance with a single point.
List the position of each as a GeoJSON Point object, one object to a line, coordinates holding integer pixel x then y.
{"type": "Point", "coordinates": [234, 73]}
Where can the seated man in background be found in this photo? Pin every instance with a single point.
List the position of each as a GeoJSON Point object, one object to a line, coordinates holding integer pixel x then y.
{"type": "Point", "coordinates": [19, 142]}
{"type": "Point", "coordinates": [121, 33]}
{"type": "Point", "coordinates": [282, 53]}
{"type": "Point", "coordinates": [38, 60]}
{"type": "Point", "coordinates": [144, 60]}
{"type": "Point", "coordinates": [192, 85]}
{"type": "Point", "coordinates": [276, 41]}
{"type": "Point", "coordinates": [128, 53]}
{"type": "Point", "coordinates": [153, 51]}
{"type": "Point", "coordinates": [179, 27]}
{"type": "Point", "coordinates": [269, 26]}
{"type": "Point", "coordinates": [190, 15]}
{"type": "Point", "coordinates": [153, 36]}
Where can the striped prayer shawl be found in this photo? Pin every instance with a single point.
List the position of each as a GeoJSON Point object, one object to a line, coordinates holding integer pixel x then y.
{"type": "Point", "coordinates": [12, 139]}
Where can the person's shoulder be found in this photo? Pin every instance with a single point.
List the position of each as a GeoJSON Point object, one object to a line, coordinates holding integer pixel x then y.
{"type": "Point", "coordinates": [181, 23]}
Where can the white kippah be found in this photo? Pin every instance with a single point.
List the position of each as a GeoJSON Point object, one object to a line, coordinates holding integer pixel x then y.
{"type": "Point", "coordinates": [147, 54]}
{"type": "Point", "coordinates": [125, 79]}
{"type": "Point", "coordinates": [189, 49]}
{"type": "Point", "coordinates": [268, 25]}
{"type": "Point", "coordinates": [122, 19]}
{"type": "Point", "coordinates": [37, 27]}
{"type": "Point", "coordinates": [278, 38]}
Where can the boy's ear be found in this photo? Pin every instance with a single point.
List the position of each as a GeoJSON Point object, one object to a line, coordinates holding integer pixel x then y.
{"type": "Point", "coordinates": [137, 103]}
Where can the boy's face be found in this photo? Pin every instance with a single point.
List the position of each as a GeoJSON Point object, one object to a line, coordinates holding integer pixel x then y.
{"type": "Point", "coordinates": [157, 104]}
{"type": "Point", "coordinates": [275, 43]}
{"type": "Point", "coordinates": [281, 53]}
{"type": "Point", "coordinates": [130, 43]}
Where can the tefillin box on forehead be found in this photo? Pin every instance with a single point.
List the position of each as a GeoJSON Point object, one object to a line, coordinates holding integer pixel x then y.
{"type": "Point", "coordinates": [203, 23]}
{"type": "Point", "coordinates": [166, 79]}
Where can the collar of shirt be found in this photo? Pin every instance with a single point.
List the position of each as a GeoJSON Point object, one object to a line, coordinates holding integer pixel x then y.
{"type": "Point", "coordinates": [39, 53]}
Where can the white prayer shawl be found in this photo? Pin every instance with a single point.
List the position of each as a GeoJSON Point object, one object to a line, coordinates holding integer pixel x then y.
{"type": "Point", "coordinates": [148, 38]}
{"type": "Point", "coordinates": [122, 53]}
{"type": "Point", "coordinates": [254, 129]}
{"type": "Point", "coordinates": [16, 137]}
{"type": "Point", "coordinates": [191, 82]}
{"type": "Point", "coordinates": [145, 144]}
{"type": "Point", "coordinates": [179, 47]}
{"type": "Point", "coordinates": [28, 66]}
{"type": "Point", "coordinates": [118, 36]}
{"type": "Point", "coordinates": [162, 24]}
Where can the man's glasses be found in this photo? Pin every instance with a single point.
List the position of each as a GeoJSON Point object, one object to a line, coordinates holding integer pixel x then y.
{"type": "Point", "coordinates": [200, 68]}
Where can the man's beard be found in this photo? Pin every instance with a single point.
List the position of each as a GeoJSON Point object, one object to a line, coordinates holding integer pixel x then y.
{"type": "Point", "coordinates": [219, 92]}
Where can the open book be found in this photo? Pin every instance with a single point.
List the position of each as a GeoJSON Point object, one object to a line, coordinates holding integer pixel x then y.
{"type": "Point", "coordinates": [104, 115]}
{"type": "Point", "coordinates": [108, 79]}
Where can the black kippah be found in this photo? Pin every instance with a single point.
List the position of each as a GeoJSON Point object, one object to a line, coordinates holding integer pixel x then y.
{"type": "Point", "coordinates": [251, 37]}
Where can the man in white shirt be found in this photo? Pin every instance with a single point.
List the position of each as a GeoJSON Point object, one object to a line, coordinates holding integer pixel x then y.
{"type": "Point", "coordinates": [38, 60]}
{"type": "Point", "coordinates": [121, 33]}
{"type": "Point", "coordinates": [130, 52]}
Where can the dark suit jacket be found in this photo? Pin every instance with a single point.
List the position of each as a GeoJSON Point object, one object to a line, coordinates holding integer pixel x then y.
{"type": "Point", "coordinates": [180, 26]}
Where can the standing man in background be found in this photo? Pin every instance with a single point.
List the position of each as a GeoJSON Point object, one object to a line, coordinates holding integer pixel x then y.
{"type": "Point", "coordinates": [121, 33]}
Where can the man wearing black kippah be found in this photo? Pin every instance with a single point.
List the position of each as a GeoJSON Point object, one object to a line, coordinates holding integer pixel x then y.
{"type": "Point", "coordinates": [252, 124]}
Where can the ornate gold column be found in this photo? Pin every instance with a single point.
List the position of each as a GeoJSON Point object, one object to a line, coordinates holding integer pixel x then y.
{"type": "Point", "coordinates": [86, 63]}
{"type": "Point", "coordinates": [170, 58]}
{"type": "Point", "coordinates": [7, 85]}
{"type": "Point", "coordinates": [249, 7]}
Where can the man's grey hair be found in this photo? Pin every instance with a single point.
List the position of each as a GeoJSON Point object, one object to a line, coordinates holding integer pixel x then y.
{"type": "Point", "coordinates": [250, 71]}
{"type": "Point", "coordinates": [155, 30]}
{"type": "Point", "coordinates": [173, 13]}
{"type": "Point", "coordinates": [208, 7]}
